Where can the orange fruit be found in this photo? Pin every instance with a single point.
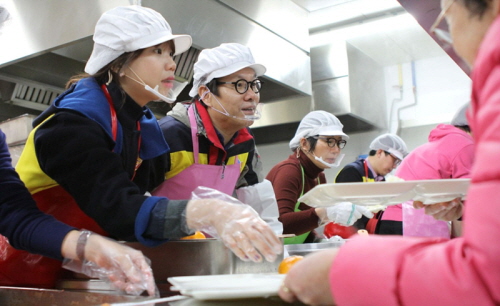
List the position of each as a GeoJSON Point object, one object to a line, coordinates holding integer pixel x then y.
{"type": "Point", "coordinates": [197, 235]}
{"type": "Point", "coordinates": [287, 263]}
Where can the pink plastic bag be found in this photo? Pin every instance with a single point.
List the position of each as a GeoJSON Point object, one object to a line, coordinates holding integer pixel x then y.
{"type": "Point", "coordinates": [417, 224]}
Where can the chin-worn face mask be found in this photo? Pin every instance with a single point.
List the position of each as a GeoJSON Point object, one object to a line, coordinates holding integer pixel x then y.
{"type": "Point", "coordinates": [336, 164]}
{"type": "Point", "coordinates": [256, 115]}
{"type": "Point", "coordinates": [172, 93]}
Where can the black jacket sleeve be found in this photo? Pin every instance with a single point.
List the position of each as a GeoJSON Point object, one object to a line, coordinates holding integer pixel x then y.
{"type": "Point", "coordinates": [21, 221]}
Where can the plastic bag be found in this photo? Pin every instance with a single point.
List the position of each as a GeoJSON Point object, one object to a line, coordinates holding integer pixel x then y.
{"type": "Point", "coordinates": [417, 224]}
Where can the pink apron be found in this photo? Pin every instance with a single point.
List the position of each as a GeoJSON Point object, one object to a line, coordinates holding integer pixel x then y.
{"type": "Point", "coordinates": [222, 178]}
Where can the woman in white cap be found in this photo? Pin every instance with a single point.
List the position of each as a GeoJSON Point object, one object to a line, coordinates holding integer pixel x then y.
{"type": "Point", "coordinates": [88, 159]}
{"type": "Point", "coordinates": [209, 139]}
{"type": "Point", "coordinates": [316, 146]}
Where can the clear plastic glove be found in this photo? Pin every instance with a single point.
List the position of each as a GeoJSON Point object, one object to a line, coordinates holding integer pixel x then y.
{"type": "Point", "coordinates": [125, 268]}
{"type": "Point", "coordinates": [446, 211]}
{"type": "Point", "coordinates": [237, 225]}
{"type": "Point", "coordinates": [346, 213]}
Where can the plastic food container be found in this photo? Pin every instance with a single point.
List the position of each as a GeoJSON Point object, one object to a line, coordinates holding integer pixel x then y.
{"type": "Point", "coordinates": [306, 248]}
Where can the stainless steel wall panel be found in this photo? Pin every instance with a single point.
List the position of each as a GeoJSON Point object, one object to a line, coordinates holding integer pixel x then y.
{"type": "Point", "coordinates": [284, 111]}
{"type": "Point", "coordinates": [211, 23]}
{"type": "Point", "coordinates": [332, 95]}
{"type": "Point", "coordinates": [367, 88]}
{"type": "Point", "coordinates": [283, 17]}
{"type": "Point", "coordinates": [39, 26]}
{"type": "Point", "coordinates": [346, 81]}
{"type": "Point", "coordinates": [329, 61]}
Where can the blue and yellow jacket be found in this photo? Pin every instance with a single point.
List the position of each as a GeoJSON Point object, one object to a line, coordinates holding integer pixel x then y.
{"type": "Point", "coordinates": [72, 150]}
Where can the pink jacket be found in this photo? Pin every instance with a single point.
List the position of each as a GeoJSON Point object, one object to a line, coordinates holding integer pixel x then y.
{"type": "Point", "coordinates": [448, 154]}
{"type": "Point", "coordinates": [428, 271]}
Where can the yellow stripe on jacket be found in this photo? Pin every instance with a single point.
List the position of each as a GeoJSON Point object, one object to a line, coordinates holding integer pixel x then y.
{"type": "Point", "coordinates": [29, 169]}
{"type": "Point", "coordinates": [180, 160]}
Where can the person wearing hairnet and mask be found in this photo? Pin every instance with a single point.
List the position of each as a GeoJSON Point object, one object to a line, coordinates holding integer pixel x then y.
{"type": "Point", "coordinates": [386, 153]}
{"type": "Point", "coordinates": [316, 146]}
{"type": "Point", "coordinates": [88, 159]}
{"type": "Point", "coordinates": [448, 154]}
{"type": "Point", "coordinates": [209, 138]}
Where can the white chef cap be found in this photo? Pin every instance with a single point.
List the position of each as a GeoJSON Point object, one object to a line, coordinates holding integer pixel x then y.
{"type": "Point", "coordinates": [130, 28]}
{"type": "Point", "coordinates": [220, 61]}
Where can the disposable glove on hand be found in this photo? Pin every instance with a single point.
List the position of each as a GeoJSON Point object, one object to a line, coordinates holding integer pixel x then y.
{"type": "Point", "coordinates": [125, 268]}
{"type": "Point", "coordinates": [238, 225]}
{"type": "Point", "coordinates": [346, 213]}
{"type": "Point", "coordinates": [445, 211]}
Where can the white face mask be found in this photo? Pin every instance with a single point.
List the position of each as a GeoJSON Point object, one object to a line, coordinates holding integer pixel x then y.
{"type": "Point", "coordinates": [256, 115]}
{"type": "Point", "coordinates": [336, 164]}
{"type": "Point", "coordinates": [172, 93]}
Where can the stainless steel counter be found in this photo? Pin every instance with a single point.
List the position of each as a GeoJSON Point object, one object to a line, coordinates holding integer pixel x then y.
{"type": "Point", "coordinates": [13, 296]}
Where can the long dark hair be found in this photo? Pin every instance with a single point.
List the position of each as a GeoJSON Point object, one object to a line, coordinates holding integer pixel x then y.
{"type": "Point", "coordinates": [464, 128]}
{"type": "Point", "coordinates": [113, 68]}
{"type": "Point", "coordinates": [476, 7]}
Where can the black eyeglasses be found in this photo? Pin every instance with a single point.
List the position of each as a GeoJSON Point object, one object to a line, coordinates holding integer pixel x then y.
{"type": "Point", "coordinates": [241, 86]}
{"type": "Point", "coordinates": [396, 160]}
{"type": "Point", "coordinates": [332, 142]}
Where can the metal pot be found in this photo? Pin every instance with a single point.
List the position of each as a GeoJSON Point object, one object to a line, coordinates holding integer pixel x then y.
{"type": "Point", "coordinates": [200, 257]}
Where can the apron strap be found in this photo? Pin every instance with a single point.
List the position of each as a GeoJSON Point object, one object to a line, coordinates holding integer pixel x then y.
{"type": "Point", "coordinates": [302, 237]}
{"type": "Point", "coordinates": [194, 133]}
{"type": "Point", "coordinates": [302, 192]}
{"type": "Point", "coordinates": [194, 138]}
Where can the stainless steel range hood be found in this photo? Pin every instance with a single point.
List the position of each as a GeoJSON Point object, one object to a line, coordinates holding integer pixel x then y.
{"type": "Point", "coordinates": [49, 41]}
{"type": "Point", "coordinates": [37, 29]}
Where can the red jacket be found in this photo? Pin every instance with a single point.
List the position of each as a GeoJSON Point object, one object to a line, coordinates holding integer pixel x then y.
{"type": "Point", "coordinates": [426, 271]}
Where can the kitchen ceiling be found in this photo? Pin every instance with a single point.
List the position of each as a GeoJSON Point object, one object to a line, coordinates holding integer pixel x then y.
{"type": "Point", "coordinates": [315, 5]}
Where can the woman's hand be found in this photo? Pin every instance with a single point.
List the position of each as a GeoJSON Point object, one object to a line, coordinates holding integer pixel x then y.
{"type": "Point", "coordinates": [446, 211]}
{"type": "Point", "coordinates": [126, 268]}
{"type": "Point", "coordinates": [308, 280]}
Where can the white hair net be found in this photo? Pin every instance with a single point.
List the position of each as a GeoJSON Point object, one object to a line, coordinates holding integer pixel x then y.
{"type": "Point", "coordinates": [317, 123]}
{"type": "Point", "coordinates": [460, 118]}
{"type": "Point", "coordinates": [391, 143]}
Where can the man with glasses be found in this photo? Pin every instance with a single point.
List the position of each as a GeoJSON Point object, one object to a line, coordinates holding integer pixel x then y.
{"type": "Point", "coordinates": [210, 141]}
{"type": "Point", "coordinates": [386, 153]}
